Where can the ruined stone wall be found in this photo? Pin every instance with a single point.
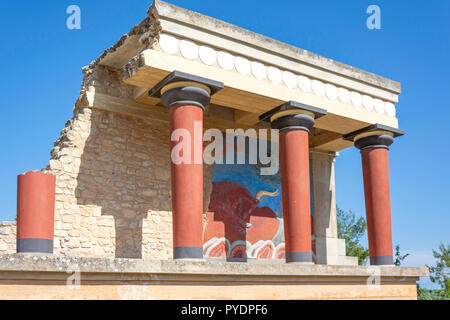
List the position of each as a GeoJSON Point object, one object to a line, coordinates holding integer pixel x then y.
{"type": "Point", "coordinates": [112, 187]}
{"type": "Point", "coordinates": [7, 237]}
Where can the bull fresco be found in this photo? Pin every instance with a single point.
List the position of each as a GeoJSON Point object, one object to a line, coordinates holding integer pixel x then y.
{"type": "Point", "coordinates": [245, 214]}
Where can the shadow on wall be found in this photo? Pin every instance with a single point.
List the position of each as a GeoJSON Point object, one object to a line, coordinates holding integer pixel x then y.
{"type": "Point", "coordinates": [125, 170]}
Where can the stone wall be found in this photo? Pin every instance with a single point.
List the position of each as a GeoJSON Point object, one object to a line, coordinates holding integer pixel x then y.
{"type": "Point", "coordinates": [7, 237]}
{"type": "Point", "coordinates": [112, 187]}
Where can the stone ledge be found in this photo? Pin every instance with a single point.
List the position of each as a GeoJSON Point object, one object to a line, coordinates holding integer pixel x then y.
{"type": "Point", "coordinates": [230, 271]}
{"type": "Point", "coordinates": [25, 276]}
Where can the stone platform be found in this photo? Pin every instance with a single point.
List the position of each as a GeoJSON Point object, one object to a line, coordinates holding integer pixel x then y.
{"type": "Point", "coordinates": [53, 277]}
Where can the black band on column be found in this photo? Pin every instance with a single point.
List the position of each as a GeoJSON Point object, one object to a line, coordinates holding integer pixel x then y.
{"type": "Point", "coordinates": [188, 253]}
{"type": "Point", "coordinates": [299, 257]}
{"type": "Point", "coordinates": [34, 245]}
{"type": "Point", "coordinates": [381, 260]}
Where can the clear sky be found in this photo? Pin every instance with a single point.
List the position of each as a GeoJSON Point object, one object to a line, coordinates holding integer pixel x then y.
{"type": "Point", "coordinates": [41, 63]}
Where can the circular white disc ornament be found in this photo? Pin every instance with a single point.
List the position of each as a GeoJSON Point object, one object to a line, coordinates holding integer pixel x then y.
{"type": "Point", "coordinates": [168, 43]}
{"type": "Point", "coordinates": [259, 70]}
{"type": "Point", "coordinates": [368, 102]}
{"type": "Point", "coordinates": [189, 49]}
{"type": "Point", "coordinates": [318, 88]}
{"type": "Point", "coordinates": [207, 55]}
{"type": "Point", "coordinates": [344, 95]}
{"type": "Point", "coordinates": [379, 106]}
{"type": "Point", "coordinates": [304, 83]}
{"type": "Point", "coordinates": [331, 91]}
{"type": "Point", "coordinates": [274, 75]}
{"type": "Point", "coordinates": [242, 65]}
{"type": "Point", "coordinates": [390, 109]}
{"type": "Point", "coordinates": [225, 60]}
{"type": "Point", "coordinates": [289, 79]}
{"type": "Point", "coordinates": [356, 99]}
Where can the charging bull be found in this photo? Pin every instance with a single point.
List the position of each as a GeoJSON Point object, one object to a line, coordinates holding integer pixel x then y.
{"type": "Point", "coordinates": [233, 204]}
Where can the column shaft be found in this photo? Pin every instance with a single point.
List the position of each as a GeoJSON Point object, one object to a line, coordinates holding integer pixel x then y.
{"type": "Point", "coordinates": [35, 212]}
{"type": "Point", "coordinates": [294, 162]}
{"type": "Point", "coordinates": [378, 204]}
{"type": "Point", "coordinates": [187, 184]}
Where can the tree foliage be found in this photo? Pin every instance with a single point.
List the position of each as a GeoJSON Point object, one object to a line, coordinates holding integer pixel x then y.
{"type": "Point", "coordinates": [440, 274]}
{"type": "Point", "coordinates": [352, 229]}
{"type": "Point", "coordinates": [399, 258]}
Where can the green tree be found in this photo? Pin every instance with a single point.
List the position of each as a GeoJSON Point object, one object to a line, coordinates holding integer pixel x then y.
{"type": "Point", "coordinates": [440, 273]}
{"type": "Point", "coordinates": [425, 294]}
{"type": "Point", "coordinates": [398, 256]}
{"type": "Point", "coordinates": [352, 229]}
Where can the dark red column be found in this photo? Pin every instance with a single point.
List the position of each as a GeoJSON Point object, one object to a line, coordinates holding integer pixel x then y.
{"type": "Point", "coordinates": [187, 185]}
{"type": "Point", "coordinates": [375, 165]}
{"type": "Point", "coordinates": [295, 184]}
{"type": "Point", "coordinates": [378, 204]}
{"type": "Point", "coordinates": [186, 97]}
{"type": "Point", "coordinates": [294, 121]}
{"type": "Point", "coordinates": [35, 212]}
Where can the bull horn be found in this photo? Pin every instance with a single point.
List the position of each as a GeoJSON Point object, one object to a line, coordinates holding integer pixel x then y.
{"type": "Point", "coordinates": [266, 193]}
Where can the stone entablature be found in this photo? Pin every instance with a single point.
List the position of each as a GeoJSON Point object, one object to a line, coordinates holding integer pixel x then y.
{"type": "Point", "coordinates": [247, 66]}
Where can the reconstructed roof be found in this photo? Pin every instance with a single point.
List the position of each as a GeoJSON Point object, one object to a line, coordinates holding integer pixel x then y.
{"type": "Point", "coordinates": [258, 72]}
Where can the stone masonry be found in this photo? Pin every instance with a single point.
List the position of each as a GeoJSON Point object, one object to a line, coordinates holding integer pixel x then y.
{"type": "Point", "coordinates": [7, 237]}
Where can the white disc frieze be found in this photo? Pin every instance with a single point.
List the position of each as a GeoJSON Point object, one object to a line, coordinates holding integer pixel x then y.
{"type": "Point", "coordinates": [289, 79]}
{"type": "Point", "coordinates": [225, 60]}
{"type": "Point", "coordinates": [356, 99]}
{"type": "Point", "coordinates": [259, 70]}
{"type": "Point", "coordinates": [189, 49]}
{"type": "Point", "coordinates": [168, 43]}
{"type": "Point", "coordinates": [274, 75]}
{"type": "Point", "coordinates": [318, 88]}
{"type": "Point", "coordinates": [344, 95]}
{"type": "Point", "coordinates": [368, 102]}
{"type": "Point", "coordinates": [242, 65]}
{"type": "Point", "coordinates": [207, 55]}
{"type": "Point", "coordinates": [304, 83]}
{"type": "Point", "coordinates": [390, 109]}
{"type": "Point", "coordinates": [331, 91]}
{"type": "Point", "coordinates": [379, 106]}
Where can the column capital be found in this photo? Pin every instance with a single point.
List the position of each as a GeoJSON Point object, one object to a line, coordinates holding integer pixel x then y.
{"type": "Point", "coordinates": [293, 115]}
{"type": "Point", "coordinates": [374, 136]}
{"type": "Point", "coordinates": [179, 88]}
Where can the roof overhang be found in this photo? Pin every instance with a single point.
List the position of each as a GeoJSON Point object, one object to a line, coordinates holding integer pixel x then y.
{"type": "Point", "coordinates": [258, 73]}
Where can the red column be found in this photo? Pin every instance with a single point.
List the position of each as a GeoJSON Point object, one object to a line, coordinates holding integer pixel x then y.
{"type": "Point", "coordinates": [378, 204]}
{"type": "Point", "coordinates": [187, 184]}
{"type": "Point", "coordinates": [186, 96]}
{"type": "Point", "coordinates": [294, 163]}
{"type": "Point", "coordinates": [35, 212]}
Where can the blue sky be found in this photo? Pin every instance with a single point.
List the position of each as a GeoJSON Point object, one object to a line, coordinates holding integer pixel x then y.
{"type": "Point", "coordinates": [41, 62]}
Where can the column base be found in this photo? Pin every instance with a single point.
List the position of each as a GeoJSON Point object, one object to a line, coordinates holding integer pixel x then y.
{"type": "Point", "coordinates": [381, 260]}
{"type": "Point", "coordinates": [34, 245]}
{"type": "Point", "coordinates": [305, 257]}
{"type": "Point", "coordinates": [188, 253]}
